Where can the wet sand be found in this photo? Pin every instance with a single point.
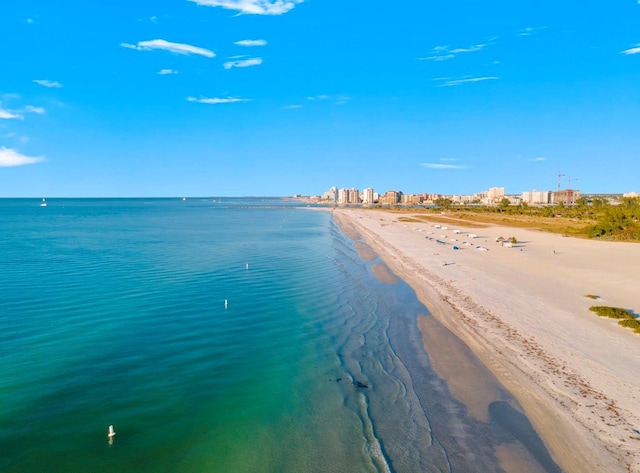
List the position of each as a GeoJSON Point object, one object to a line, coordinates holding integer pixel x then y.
{"type": "Point", "coordinates": [523, 312]}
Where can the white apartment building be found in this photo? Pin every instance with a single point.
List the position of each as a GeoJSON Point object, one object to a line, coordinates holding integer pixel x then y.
{"type": "Point", "coordinates": [536, 197]}
{"type": "Point", "coordinates": [348, 196]}
{"type": "Point", "coordinates": [368, 196]}
{"type": "Point", "coordinates": [495, 194]}
{"type": "Point", "coordinates": [331, 195]}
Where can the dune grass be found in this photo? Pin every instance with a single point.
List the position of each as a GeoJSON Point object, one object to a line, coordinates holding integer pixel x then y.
{"type": "Point", "coordinates": [625, 317]}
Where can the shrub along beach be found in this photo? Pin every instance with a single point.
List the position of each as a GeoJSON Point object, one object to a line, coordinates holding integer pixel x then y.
{"type": "Point", "coordinates": [521, 308]}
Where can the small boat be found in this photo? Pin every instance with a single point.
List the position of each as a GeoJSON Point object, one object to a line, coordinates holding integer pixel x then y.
{"type": "Point", "coordinates": [43, 203]}
{"type": "Point", "coordinates": [111, 434]}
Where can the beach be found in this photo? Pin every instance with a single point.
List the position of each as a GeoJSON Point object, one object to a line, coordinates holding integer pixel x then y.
{"type": "Point", "coordinates": [524, 313]}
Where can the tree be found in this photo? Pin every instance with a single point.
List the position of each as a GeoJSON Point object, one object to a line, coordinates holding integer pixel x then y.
{"type": "Point", "coordinates": [443, 202]}
{"type": "Point", "coordinates": [504, 204]}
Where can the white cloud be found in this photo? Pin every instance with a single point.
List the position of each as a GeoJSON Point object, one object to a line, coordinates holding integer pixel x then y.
{"type": "Point", "coordinates": [252, 7]}
{"type": "Point", "coordinates": [539, 159]}
{"type": "Point", "coordinates": [251, 42]}
{"type": "Point", "coordinates": [318, 97]}
{"type": "Point", "coordinates": [11, 158]}
{"type": "Point", "coordinates": [531, 31]}
{"type": "Point", "coordinates": [442, 53]}
{"type": "Point", "coordinates": [470, 49]}
{"type": "Point", "coordinates": [178, 48]}
{"type": "Point", "coordinates": [30, 21]}
{"type": "Point", "coordinates": [255, 61]}
{"type": "Point", "coordinates": [467, 80]}
{"type": "Point", "coordinates": [441, 166]}
{"type": "Point", "coordinates": [48, 83]}
{"type": "Point", "coordinates": [36, 110]}
{"type": "Point", "coordinates": [634, 50]}
{"type": "Point", "coordinates": [165, 72]}
{"type": "Point", "coordinates": [292, 107]}
{"type": "Point", "coordinates": [9, 115]}
{"type": "Point", "coordinates": [443, 57]}
{"type": "Point", "coordinates": [216, 100]}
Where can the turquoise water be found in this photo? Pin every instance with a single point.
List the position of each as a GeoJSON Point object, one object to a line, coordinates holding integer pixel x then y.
{"type": "Point", "coordinates": [113, 312]}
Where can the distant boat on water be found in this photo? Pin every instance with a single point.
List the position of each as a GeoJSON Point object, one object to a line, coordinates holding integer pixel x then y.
{"type": "Point", "coordinates": [184, 198]}
{"type": "Point", "coordinates": [43, 203]}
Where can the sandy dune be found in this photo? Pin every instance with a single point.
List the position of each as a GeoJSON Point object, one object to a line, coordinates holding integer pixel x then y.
{"type": "Point", "coordinates": [524, 313]}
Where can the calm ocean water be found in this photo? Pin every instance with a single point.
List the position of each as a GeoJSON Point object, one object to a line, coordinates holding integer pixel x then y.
{"type": "Point", "coordinates": [113, 312]}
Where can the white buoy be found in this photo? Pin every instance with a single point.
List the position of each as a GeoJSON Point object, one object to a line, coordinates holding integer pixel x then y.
{"type": "Point", "coordinates": [246, 266]}
{"type": "Point", "coordinates": [226, 303]}
{"type": "Point", "coordinates": [112, 433]}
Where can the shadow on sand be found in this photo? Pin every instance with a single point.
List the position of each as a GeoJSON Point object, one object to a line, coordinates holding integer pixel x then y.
{"type": "Point", "coordinates": [517, 424]}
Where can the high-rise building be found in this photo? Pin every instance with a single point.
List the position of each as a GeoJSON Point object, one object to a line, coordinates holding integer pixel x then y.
{"type": "Point", "coordinates": [536, 197]}
{"type": "Point", "coordinates": [368, 196]}
{"type": "Point", "coordinates": [331, 195]}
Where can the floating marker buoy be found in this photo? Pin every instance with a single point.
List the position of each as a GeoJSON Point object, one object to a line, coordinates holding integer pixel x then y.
{"type": "Point", "coordinates": [112, 433]}
{"type": "Point", "coordinates": [247, 266]}
{"type": "Point", "coordinates": [226, 303]}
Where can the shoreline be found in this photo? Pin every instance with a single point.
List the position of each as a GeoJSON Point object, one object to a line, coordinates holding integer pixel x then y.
{"type": "Point", "coordinates": [523, 313]}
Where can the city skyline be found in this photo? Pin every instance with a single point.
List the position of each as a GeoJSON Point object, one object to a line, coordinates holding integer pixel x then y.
{"type": "Point", "coordinates": [258, 97]}
{"type": "Point", "coordinates": [490, 196]}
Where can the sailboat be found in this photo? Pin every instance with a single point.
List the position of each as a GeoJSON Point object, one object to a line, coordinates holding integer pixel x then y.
{"type": "Point", "coordinates": [43, 203]}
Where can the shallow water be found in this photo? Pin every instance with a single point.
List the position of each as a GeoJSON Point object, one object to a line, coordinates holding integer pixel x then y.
{"type": "Point", "coordinates": [113, 313]}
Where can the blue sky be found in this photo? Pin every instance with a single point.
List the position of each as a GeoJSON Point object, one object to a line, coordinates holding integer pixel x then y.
{"type": "Point", "coordinates": [259, 97]}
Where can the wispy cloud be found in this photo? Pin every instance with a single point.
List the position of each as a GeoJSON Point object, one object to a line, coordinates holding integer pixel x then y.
{"type": "Point", "coordinates": [538, 159]}
{"type": "Point", "coordinates": [251, 42]}
{"type": "Point", "coordinates": [255, 61]}
{"type": "Point", "coordinates": [9, 115]}
{"type": "Point", "coordinates": [36, 110]}
{"type": "Point", "coordinates": [177, 48]}
{"type": "Point", "coordinates": [292, 107]}
{"type": "Point", "coordinates": [442, 53]}
{"type": "Point", "coordinates": [48, 83]}
{"type": "Point", "coordinates": [166, 72]}
{"type": "Point", "coordinates": [252, 7]}
{"type": "Point", "coordinates": [464, 80]}
{"type": "Point", "coordinates": [10, 158]}
{"type": "Point", "coordinates": [531, 30]}
{"type": "Point", "coordinates": [442, 166]}
{"type": "Point", "coordinates": [216, 100]}
{"type": "Point", "coordinates": [336, 99]}
{"type": "Point", "coordinates": [633, 50]}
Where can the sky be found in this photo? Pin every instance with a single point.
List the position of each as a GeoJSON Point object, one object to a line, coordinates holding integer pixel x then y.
{"type": "Point", "coordinates": [283, 97]}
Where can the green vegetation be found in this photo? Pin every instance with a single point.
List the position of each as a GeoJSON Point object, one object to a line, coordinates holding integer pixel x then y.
{"type": "Point", "coordinates": [611, 312]}
{"type": "Point", "coordinates": [592, 296]}
{"type": "Point", "coordinates": [625, 318]}
{"type": "Point", "coordinates": [596, 218]}
{"type": "Point", "coordinates": [633, 324]}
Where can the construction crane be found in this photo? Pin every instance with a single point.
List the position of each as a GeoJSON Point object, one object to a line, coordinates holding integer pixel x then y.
{"type": "Point", "coordinates": [569, 179]}
{"type": "Point", "coordinates": [559, 176]}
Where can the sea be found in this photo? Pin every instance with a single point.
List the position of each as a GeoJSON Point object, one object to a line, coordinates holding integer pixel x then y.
{"type": "Point", "coordinates": [219, 335]}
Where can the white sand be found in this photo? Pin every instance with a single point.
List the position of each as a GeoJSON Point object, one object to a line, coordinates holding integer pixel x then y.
{"type": "Point", "coordinates": [524, 313]}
